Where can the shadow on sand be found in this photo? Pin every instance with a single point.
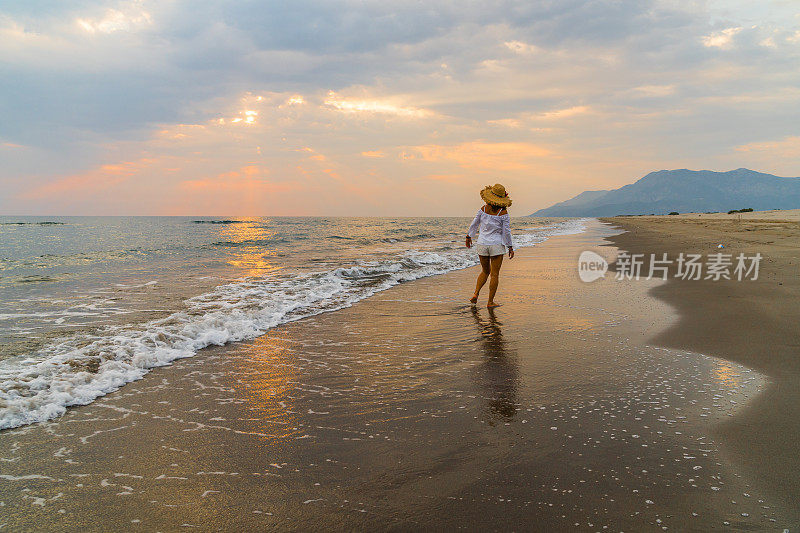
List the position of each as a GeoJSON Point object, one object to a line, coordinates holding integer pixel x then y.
{"type": "Point", "coordinates": [499, 372]}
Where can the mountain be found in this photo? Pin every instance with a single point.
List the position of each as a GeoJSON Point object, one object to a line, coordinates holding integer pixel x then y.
{"type": "Point", "coordinates": [586, 197]}
{"type": "Point", "coordinates": [684, 191]}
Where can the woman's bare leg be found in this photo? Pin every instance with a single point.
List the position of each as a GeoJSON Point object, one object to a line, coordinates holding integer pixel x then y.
{"type": "Point", "coordinates": [482, 277]}
{"type": "Point", "coordinates": [496, 261]}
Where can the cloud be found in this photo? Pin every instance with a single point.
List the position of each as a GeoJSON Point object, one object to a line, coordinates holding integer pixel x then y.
{"type": "Point", "coordinates": [104, 177]}
{"type": "Point", "coordinates": [131, 17]}
{"type": "Point", "coordinates": [653, 91]}
{"type": "Point", "coordinates": [780, 156]}
{"type": "Point", "coordinates": [721, 39]}
{"type": "Point", "coordinates": [359, 105]}
{"type": "Point", "coordinates": [452, 179]}
{"type": "Point", "coordinates": [520, 47]}
{"type": "Point", "coordinates": [559, 114]}
{"type": "Point", "coordinates": [556, 95]}
{"type": "Point", "coordinates": [482, 156]}
{"type": "Point", "coordinates": [11, 145]}
{"type": "Point", "coordinates": [786, 148]}
{"type": "Point", "coordinates": [769, 42]}
{"type": "Point", "coordinates": [247, 178]}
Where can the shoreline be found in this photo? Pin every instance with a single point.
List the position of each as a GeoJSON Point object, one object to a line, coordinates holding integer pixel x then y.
{"type": "Point", "coordinates": [753, 323]}
{"type": "Point", "coordinates": [230, 310]}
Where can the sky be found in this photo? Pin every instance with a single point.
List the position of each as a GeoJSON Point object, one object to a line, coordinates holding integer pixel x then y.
{"type": "Point", "coordinates": [400, 108]}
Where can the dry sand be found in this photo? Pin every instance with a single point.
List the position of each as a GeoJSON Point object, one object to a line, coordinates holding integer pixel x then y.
{"type": "Point", "coordinates": [755, 323]}
{"type": "Point", "coordinates": [774, 215]}
{"type": "Point", "coordinates": [412, 410]}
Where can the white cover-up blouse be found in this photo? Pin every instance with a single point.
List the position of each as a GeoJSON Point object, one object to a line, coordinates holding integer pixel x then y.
{"type": "Point", "coordinates": [494, 229]}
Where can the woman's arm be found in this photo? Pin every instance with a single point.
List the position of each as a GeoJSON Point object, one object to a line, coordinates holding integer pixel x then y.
{"type": "Point", "coordinates": [506, 222]}
{"type": "Point", "coordinates": [476, 222]}
{"type": "Point", "coordinates": [473, 228]}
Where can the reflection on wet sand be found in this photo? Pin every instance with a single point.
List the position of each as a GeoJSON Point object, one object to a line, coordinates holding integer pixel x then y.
{"type": "Point", "coordinates": [726, 375]}
{"type": "Point", "coordinates": [499, 374]}
{"type": "Point", "coordinates": [266, 378]}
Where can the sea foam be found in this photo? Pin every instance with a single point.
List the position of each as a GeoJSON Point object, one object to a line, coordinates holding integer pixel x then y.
{"type": "Point", "coordinates": [78, 369]}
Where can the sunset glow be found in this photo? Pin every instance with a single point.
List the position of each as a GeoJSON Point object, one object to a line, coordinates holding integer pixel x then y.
{"type": "Point", "coordinates": [184, 97]}
{"type": "Point", "coordinates": [374, 106]}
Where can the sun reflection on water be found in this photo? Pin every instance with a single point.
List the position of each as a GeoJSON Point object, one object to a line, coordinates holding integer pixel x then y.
{"type": "Point", "coordinates": [251, 248]}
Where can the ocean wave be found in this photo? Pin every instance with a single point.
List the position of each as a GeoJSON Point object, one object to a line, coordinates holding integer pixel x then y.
{"type": "Point", "coordinates": [219, 221]}
{"type": "Point", "coordinates": [77, 259]}
{"type": "Point", "coordinates": [270, 241]}
{"type": "Point", "coordinates": [406, 238]}
{"type": "Point", "coordinates": [36, 279]}
{"type": "Point", "coordinates": [45, 223]}
{"type": "Point", "coordinates": [78, 369]}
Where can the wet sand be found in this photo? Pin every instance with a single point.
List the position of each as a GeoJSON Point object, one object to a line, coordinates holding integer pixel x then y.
{"type": "Point", "coordinates": [755, 323]}
{"type": "Point", "coordinates": [414, 411]}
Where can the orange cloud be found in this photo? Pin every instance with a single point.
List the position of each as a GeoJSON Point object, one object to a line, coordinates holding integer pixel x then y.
{"type": "Point", "coordinates": [789, 147]}
{"type": "Point", "coordinates": [371, 105]}
{"type": "Point", "coordinates": [246, 178]}
{"type": "Point", "coordinates": [507, 122]}
{"type": "Point", "coordinates": [101, 178]}
{"type": "Point", "coordinates": [480, 155]}
{"type": "Point", "coordinates": [455, 179]}
{"type": "Point", "coordinates": [180, 131]}
{"type": "Point", "coordinates": [565, 113]}
{"type": "Point", "coordinates": [375, 153]}
{"type": "Point", "coordinates": [11, 145]}
{"type": "Point", "coordinates": [652, 91]}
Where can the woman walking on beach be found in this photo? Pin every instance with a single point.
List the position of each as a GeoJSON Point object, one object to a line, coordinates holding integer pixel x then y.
{"type": "Point", "coordinates": [494, 226]}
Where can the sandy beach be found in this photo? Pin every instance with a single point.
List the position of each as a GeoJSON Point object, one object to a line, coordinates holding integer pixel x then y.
{"type": "Point", "coordinates": [595, 407]}
{"type": "Point", "coordinates": [754, 323]}
{"type": "Point", "coordinates": [237, 268]}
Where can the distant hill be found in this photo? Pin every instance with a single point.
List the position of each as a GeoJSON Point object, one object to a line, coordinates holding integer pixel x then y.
{"type": "Point", "coordinates": [684, 191]}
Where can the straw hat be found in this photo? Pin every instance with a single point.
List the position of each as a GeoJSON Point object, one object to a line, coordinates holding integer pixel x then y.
{"type": "Point", "coordinates": [496, 195]}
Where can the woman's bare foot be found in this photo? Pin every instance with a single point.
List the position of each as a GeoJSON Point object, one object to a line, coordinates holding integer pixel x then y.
{"type": "Point", "coordinates": [491, 305]}
{"type": "Point", "coordinates": [474, 299]}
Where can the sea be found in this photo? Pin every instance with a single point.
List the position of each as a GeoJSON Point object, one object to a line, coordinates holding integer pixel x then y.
{"type": "Point", "coordinates": [88, 304]}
